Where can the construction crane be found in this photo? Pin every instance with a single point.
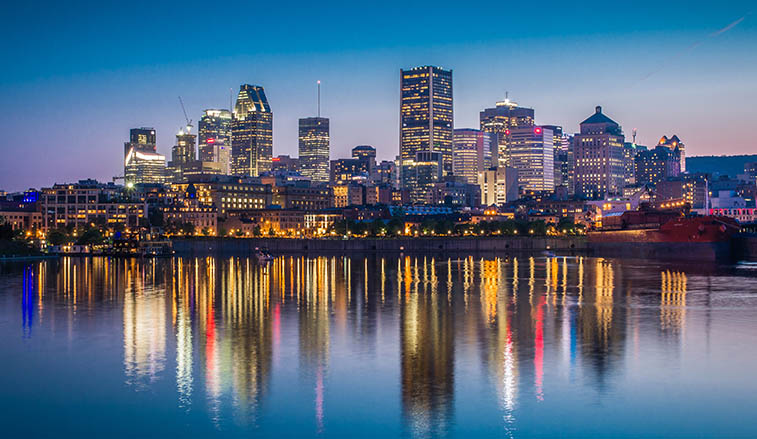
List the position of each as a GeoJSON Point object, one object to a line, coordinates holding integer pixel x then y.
{"type": "Point", "coordinates": [189, 121]}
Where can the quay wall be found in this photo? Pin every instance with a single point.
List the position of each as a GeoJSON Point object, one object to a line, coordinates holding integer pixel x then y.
{"type": "Point", "coordinates": [742, 247]}
{"type": "Point", "coordinates": [193, 246]}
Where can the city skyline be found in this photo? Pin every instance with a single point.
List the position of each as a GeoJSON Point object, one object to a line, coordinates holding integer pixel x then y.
{"type": "Point", "coordinates": [91, 103]}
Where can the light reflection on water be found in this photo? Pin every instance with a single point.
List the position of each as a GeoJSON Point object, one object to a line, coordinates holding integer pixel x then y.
{"type": "Point", "coordinates": [423, 346]}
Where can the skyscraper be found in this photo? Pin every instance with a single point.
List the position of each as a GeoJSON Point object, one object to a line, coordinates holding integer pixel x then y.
{"type": "Point", "coordinates": [314, 149]}
{"type": "Point", "coordinates": [367, 153]}
{"type": "Point", "coordinates": [657, 164]}
{"type": "Point", "coordinates": [182, 154]}
{"type": "Point", "coordinates": [674, 143]}
{"type": "Point", "coordinates": [251, 132]}
{"type": "Point", "coordinates": [505, 116]}
{"type": "Point", "coordinates": [532, 154]}
{"type": "Point", "coordinates": [214, 137]}
{"type": "Point", "coordinates": [142, 164]}
{"type": "Point", "coordinates": [598, 156]}
{"type": "Point", "coordinates": [425, 125]}
{"type": "Point", "coordinates": [184, 150]}
{"type": "Point", "coordinates": [474, 151]}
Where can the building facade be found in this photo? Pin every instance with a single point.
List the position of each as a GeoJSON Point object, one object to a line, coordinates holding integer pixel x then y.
{"type": "Point", "coordinates": [183, 153]}
{"type": "Point", "coordinates": [251, 132]}
{"type": "Point", "coordinates": [532, 152]}
{"type": "Point", "coordinates": [344, 171]}
{"type": "Point", "coordinates": [142, 163]}
{"type": "Point", "coordinates": [474, 151]}
{"type": "Point", "coordinates": [314, 149]}
{"type": "Point", "coordinates": [505, 116]}
{"type": "Point", "coordinates": [214, 137]}
{"type": "Point", "coordinates": [656, 165]}
{"type": "Point", "coordinates": [88, 202]}
{"type": "Point", "coordinates": [598, 155]}
{"type": "Point", "coordinates": [672, 144]}
{"type": "Point", "coordinates": [426, 123]}
{"type": "Point", "coordinates": [498, 186]}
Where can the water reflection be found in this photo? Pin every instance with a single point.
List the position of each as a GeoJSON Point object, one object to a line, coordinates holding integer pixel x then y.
{"type": "Point", "coordinates": [218, 327]}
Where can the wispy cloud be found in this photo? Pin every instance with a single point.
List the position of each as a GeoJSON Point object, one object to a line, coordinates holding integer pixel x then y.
{"type": "Point", "coordinates": [694, 46]}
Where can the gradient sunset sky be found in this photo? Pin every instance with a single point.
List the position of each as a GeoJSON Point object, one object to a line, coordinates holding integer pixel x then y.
{"type": "Point", "coordinates": [77, 75]}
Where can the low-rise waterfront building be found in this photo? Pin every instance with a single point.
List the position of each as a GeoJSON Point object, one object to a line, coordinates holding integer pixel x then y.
{"type": "Point", "coordinates": [88, 203]}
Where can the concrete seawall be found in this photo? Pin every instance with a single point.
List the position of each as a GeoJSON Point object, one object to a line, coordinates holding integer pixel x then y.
{"type": "Point", "coordinates": [743, 247]}
{"type": "Point", "coordinates": [186, 247]}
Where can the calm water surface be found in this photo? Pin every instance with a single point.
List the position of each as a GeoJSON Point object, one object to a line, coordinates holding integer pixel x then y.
{"type": "Point", "coordinates": [419, 346]}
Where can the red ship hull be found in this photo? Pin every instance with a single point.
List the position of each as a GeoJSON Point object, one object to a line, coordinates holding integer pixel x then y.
{"type": "Point", "coordinates": [689, 229]}
{"type": "Point", "coordinates": [684, 238]}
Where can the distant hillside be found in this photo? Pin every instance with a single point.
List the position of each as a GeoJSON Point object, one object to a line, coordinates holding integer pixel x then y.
{"type": "Point", "coordinates": [732, 165]}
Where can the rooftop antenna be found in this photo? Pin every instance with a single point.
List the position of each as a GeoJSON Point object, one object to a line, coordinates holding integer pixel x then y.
{"type": "Point", "coordinates": [231, 100]}
{"type": "Point", "coordinates": [319, 98]}
{"type": "Point", "coordinates": [634, 136]}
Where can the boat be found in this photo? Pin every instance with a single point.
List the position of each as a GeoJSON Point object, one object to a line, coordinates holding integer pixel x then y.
{"type": "Point", "coordinates": [656, 233]}
{"type": "Point", "coordinates": [263, 256]}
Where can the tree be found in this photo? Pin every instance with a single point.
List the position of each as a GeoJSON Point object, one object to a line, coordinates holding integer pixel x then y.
{"type": "Point", "coordinates": [537, 228]}
{"type": "Point", "coordinates": [58, 237]}
{"type": "Point", "coordinates": [6, 232]}
{"type": "Point", "coordinates": [395, 226]}
{"type": "Point", "coordinates": [428, 225]}
{"type": "Point", "coordinates": [256, 231]}
{"type": "Point", "coordinates": [187, 228]}
{"type": "Point", "coordinates": [271, 232]}
{"type": "Point", "coordinates": [377, 226]}
{"type": "Point", "coordinates": [91, 236]}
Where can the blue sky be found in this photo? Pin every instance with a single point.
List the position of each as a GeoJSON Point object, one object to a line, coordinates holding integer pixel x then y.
{"type": "Point", "coordinates": [78, 75]}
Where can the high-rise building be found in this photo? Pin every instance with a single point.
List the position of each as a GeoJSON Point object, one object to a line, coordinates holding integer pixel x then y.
{"type": "Point", "coordinates": [251, 132]}
{"type": "Point", "coordinates": [142, 164]}
{"type": "Point", "coordinates": [428, 169]}
{"type": "Point", "coordinates": [657, 164]}
{"type": "Point", "coordinates": [598, 157]}
{"type": "Point", "coordinates": [674, 143]}
{"type": "Point", "coordinates": [182, 154]}
{"type": "Point", "coordinates": [630, 151]}
{"type": "Point", "coordinates": [532, 154]}
{"type": "Point", "coordinates": [425, 124]}
{"type": "Point", "coordinates": [344, 171]}
{"type": "Point", "coordinates": [498, 185]}
{"type": "Point", "coordinates": [142, 167]}
{"type": "Point", "coordinates": [561, 155]}
{"type": "Point", "coordinates": [214, 137]}
{"type": "Point", "coordinates": [284, 163]}
{"type": "Point", "coordinates": [184, 150]}
{"type": "Point", "coordinates": [474, 151]}
{"type": "Point", "coordinates": [386, 173]}
{"type": "Point", "coordinates": [505, 116]}
{"type": "Point", "coordinates": [368, 154]}
{"type": "Point", "coordinates": [314, 149]}
{"type": "Point", "coordinates": [140, 139]}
